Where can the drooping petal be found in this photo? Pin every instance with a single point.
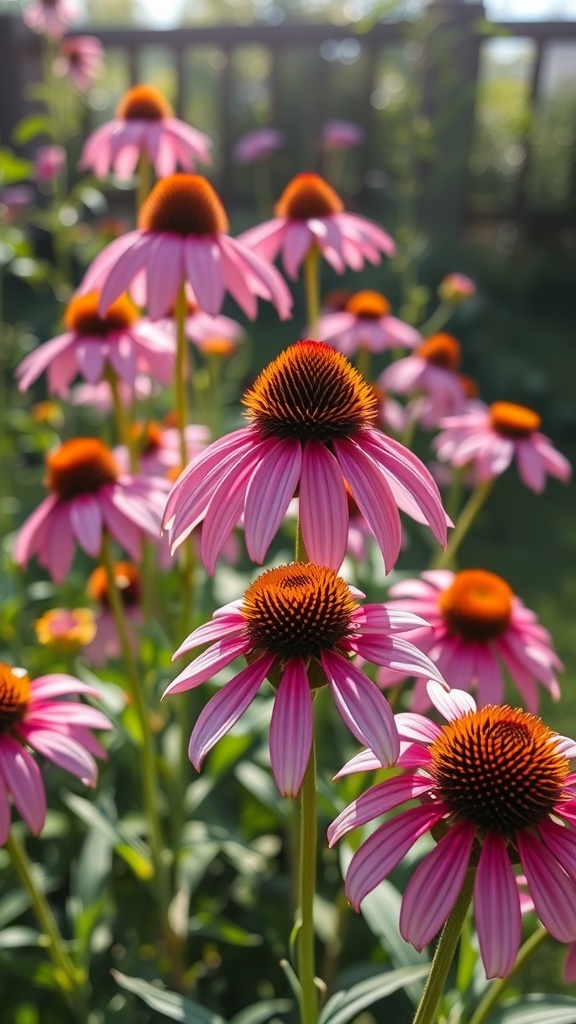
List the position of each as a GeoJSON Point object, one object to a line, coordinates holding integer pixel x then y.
{"type": "Point", "coordinates": [225, 708]}
{"type": "Point", "coordinates": [435, 886]}
{"type": "Point", "coordinates": [386, 847]}
{"type": "Point", "coordinates": [399, 654]}
{"type": "Point", "coordinates": [363, 707]}
{"type": "Point", "coordinates": [497, 908]}
{"type": "Point", "coordinates": [375, 801]}
{"type": "Point", "coordinates": [64, 751]}
{"type": "Point", "coordinates": [202, 257]}
{"type": "Point", "coordinates": [269, 493]}
{"type": "Point", "coordinates": [323, 506]}
{"type": "Point", "coordinates": [291, 728]}
{"type": "Point", "coordinates": [208, 664]}
{"type": "Point", "coordinates": [217, 629]}
{"type": "Point", "coordinates": [373, 497]}
{"type": "Point", "coordinates": [553, 891]}
{"type": "Point", "coordinates": [23, 779]}
{"type": "Point", "coordinates": [86, 523]}
{"type": "Point", "coordinates": [561, 842]}
{"type": "Point", "coordinates": [452, 705]}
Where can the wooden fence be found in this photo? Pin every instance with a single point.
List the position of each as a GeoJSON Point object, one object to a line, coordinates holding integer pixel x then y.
{"type": "Point", "coordinates": [447, 48]}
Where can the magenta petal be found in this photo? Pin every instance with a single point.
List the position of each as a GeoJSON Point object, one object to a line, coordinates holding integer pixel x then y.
{"type": "Point", "coordinates": [23, 779]}
{"type": "Point", "coordinates": [225, 708]}
{"type": "Point", "coordinates": [64, 751]}
{"type": "Point", "coordinates": [5, 818]}
{"type": "Point", "coordinates": [552, 890]}
{"type": "Point", "coordinates": [291, 728]}
{"type": "Point", "coordinates": [208, 664]}
{"type": "Point", "coordinates": [217, 629]}
{"type": "Point", "coordinates": [396, 653]}
{"type": "Point", "coordinates": [375, 801]}
{"type": "Point", "coordinates": [203, 257]}
{"type": "Point", "coordinates": [56, 684]}
{"type": "Point", "coordinates": [323, 506]}
{"type": "Point", "coordinates": [417, 728]}
{"type": "Point", "coordinates": [561, 842]}
{"type": "Point", "coordinates": [86, 523]}
{"type": "Point", "coordinates": [28, 535]}
{"type": "Point", "coordinates": [365, 761]}
{"type": "Point", "coordinates": [435, 886]}
{"type": "Point", "coordinates": [226, 506]}
{"type": "Point", "coordinates": [386, 847]}
{"type": "Point", "coordinates": [497, 908]}
{"type": "Point", "coordinates": [270, 490]}
{"type": "Point", "coordinates": [362, 706]}
{"type": "Point", "coordinates": [452, 704]}
{"type": "Point", "coordinates": [373, 497]}
{"type": "Point", "coordinates": [58, 544]}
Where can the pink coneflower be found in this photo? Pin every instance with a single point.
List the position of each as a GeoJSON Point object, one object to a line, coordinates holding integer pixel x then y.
{"type": "Point", "coordinates": [431, 369]}
{"type": "Point", "coordinates": [59, 730]}
{"type": "Point", "coordinates": [201, 328]}
{"type": "Point", "coordinates": [182, 237]}
{"type": "Point", "coordinates": [257, 145]}
{"type": "Point", "coordinates": [105, 644]}
{"type": "Point", "coordinates": [51, 17]}
{"type": "Point", "coordinates": [341, 135]}
{"type": "Point", "coordinates": [496, 785]}
{"type": "Point", "coordinates": [479, 626]}
{"type": "Point", "coordinates": [99, 396]}
{"type": "Point", "coordinates": [144, 124]}
{"type": "Point", "coordinates": [159, 447]}
{"type": "Point", "coordinates": [48, 163]}
{"type": "Point", "coordinates": [313, 427]}
{"type": "Point", "coordinates": [299, 624]}
{"type": "Point", "coordinates": [456, 288]}
{"type": "Point", "coordinates": [490, 437]}
{"type": "Point", "coordinates": [65, 630]}
{"type": "Point", "coordinates": [430, 409]}
{"type": "Point", "coordinates": [81, 60]}
{"type": "Point", "coordinates": [117, 339]}
{"type": "Point", "coordinates": [89, 494]}
{"type": "Point", "coordinates": [366, 323]}
{"type": "Point", "coordinates": [309, 212]}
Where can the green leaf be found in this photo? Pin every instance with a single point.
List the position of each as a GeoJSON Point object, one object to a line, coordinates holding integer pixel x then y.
{"type": "Point", "coordinates": [173, 1006]}
{"type": "Point", "coordinates": [12, 938]}
{"type": "Point", "coordinates": [381, 911]}
{"type": "Point", "coordinates": [31, 126]}
{"type": "Point", "coordinates": [343, 1006]}
{"type": "Point", "coordinates": [132, 850]}
{"type": "Point", "coordinates": [223, 930]}
{"type": "Point", "coordinates": [536, 1009]}
{"type": "Point", "coordinates": [261, 1012]}
{"type": "Point", "coordinates": [13, 168]}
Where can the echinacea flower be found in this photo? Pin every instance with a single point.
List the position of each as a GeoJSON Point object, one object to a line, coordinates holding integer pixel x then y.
{"type": "Point", "coordinates": [490, 437]}
{"type": "Point", "coordinates": [144, 124]}
{"type": "Point", "coordinates": [100, 398]}
{"type": "Point", "coordinates": [313, 427]}
{"type": "Point", "coordinates": [65, 630]}
{"type": "Point", "coordinates": [299, 624]}
{"type": "Point", "coordinates": [495, 784]}
{"type": "Point", "coordinates": [432, 369]}
{"type": "Point", "coordinates": [341, 134]}
{"type": "Point", "coordinates": [117, 340]}
{"type": "Point", "coordinates": [456, 288]}
{"type": "Point", "coordinates": [182, 238]}
{"type": "Point", "coordinates": [258, 144]}
{"type": "Point", "coordinates": [366, 322]}
{"type": "Point", "coordinates": [159, 447]}
{"type": "Point", "coordinates": [59, 730]}
{"type": "Point", "coordinates": [310, 213]}
{"type": "Point", "coordinates": [81, 60]}
{"type": "Point", "coordinates": [50, 17]}
{"type": "Point", "coordinates": [105, 644]}
{"type": "Point", "coordinates": [479, 626]}
{"type": "Point", "coordinates": [89, 494]}
{"type": "Point", "coordinates": [48, 163]}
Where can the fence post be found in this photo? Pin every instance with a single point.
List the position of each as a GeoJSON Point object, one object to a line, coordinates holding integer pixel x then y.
{"type": "Point", "coordinates": [452, 58]}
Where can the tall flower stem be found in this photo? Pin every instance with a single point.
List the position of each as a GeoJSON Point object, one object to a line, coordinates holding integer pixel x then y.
{"type": "Point", "coordinates": [436, 321]}
{"type": "Point", "coordinates": [308, 844]}
{"type": "Point", "coordinates": [180, 372]}
{"type": "Point", "coordinates": [312, 288]}
{"type": "Point", "coordinates": [68, 976]}
{"type": "Point", "coordinates": [444, 955]}
{"type": "Point", "coordinates": [120, 418]}
{"type": "Point", "coordinates": [143, 181]}
{"type": "Point", "coordinates": [496, 990]}
{"type": "Point", "coordinates": [445, 559]}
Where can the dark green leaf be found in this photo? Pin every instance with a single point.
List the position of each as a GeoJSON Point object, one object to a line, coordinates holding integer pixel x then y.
{"type": "Point", "coordinates": [170, 1004]}
{"type": "Point", "coordinates": [343, 1006]}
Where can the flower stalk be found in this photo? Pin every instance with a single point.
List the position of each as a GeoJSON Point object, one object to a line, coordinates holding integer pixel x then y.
{"type": "Point", "coordinates": [312, 288]}
{"type": "Point", "coordinates": [446, 559]}
{"type": "Point", "coordinates": [497, 988]}
{"type": "Point", "coordinates": [308, 846]}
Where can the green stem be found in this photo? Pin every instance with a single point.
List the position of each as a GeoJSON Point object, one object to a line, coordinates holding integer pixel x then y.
{"type": "Point", "coordinates": [308, 842]}
{"type": "Point", "coordinates": [446, 559]}
{"type": "Point", "coordinates": [263, 187]}
{"type": "Point", "coordinates": [143, 181]}
{"type": "Point", "coordinates": [312, 288]}
{"type": "Point", "coordinates": [180, 372]}
{"type": "Point", "coordinates": [426, 1012]}
{"type": "Point", "coordinates": [120, 418]}
{"type": "Point", "coordinates": [300, 555]}
{"type": "Point", "coordinates": [436, 321]}
{"type": "Point", "coordinates": [363, 362]}
{"type": "Point", "coordinates": [69, 978]}
{"type": "Point", "coordinates": [496, 990]}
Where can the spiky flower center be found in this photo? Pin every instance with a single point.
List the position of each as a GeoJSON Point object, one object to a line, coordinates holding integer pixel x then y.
{"type": "Point", "coordinates": [368, 305]}
{"type": "Point", "coordinates": [83, 318]}
{"type": "Point", "coordinates": [498, 768]}
{"type": "Point", "coordinates": [441, 350]}
{"type": "Point", "coordinates": [311, 392]}
{"type": "Point", "coordinates": [14, 696]}
{"type": "Point", "coordinates": [143, 103]}
{"type": "Point", "coordinates": [80, 466]}
{"type": "Point", "coordinates": [513, 421]}
{"type": "Point", "coordinates": [127, 580]}
{"type": "Point", "coordinates": [308, 196]}
{"type": "Point", "coordinates": [184, 204]}
{"type": "Point", "coordinates": [300, 610]}
{"type": "Point", "coordinates": [477, 605]}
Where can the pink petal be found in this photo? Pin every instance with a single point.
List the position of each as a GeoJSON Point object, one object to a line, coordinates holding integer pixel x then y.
{"type": "Point", "coordinates": [552, 890]}
{"type": "Point", "coordinates": [217, 629]}
{"type": "Point", "coordinates": [227, 504]}
{"type": "Point", "coordinates": [417, 728]}
{"type": "Point", "coordinates": [56, 684]}
{"type": "Point", "coordinates": [386, 847]}
{"type": "Point", "coordinates": [452, 705]}
{"type": "Point", "coordinates": [291, 728]}
{"type": "Point", "coordinates": [58, 544]}
{"type": "Point", "coordinates": [435, 886]}
{"type": "Point", "coordinates": [362, 706]}
{"type": "Point", "coordinates": [123, 270]}
{"type": "Point", "coordinates": [270, 490]}
{"type": "Point", "coordinates": [203, 269]}
{"type": "Point", "coordinates": [497, 908]}
{"type": "Point", "coordinates": [164, 273]}
{"type": "Point", "coordinates": [23, 779]}
{"type": "Point", "coordinates": [5, 819]}
{"type": "Point", "coordinates": [63, 751]}
{"type": "Point", "coordinates": [373, 497]}
{"type": "Point", "coordinates": [323, 506]}
{"type": "Point", "coordinates": [561, 841]}
{"type": "Point", "coordinates": [530, 466]}
{"type": "Point", "coordinates": [378, 800]}
{"type": "Point", "coordinates": [365, 761]}
{"type": "Point", "coordinates": [28, 536]}
{"type": "Point", "coordinates": [396, 653]}
{"type": "Point", "coordinates": [86, 523]}
{"type": "Point", "coordinates": [225, 708]}
{"type": "Point", "coordinates": [208, 664]}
